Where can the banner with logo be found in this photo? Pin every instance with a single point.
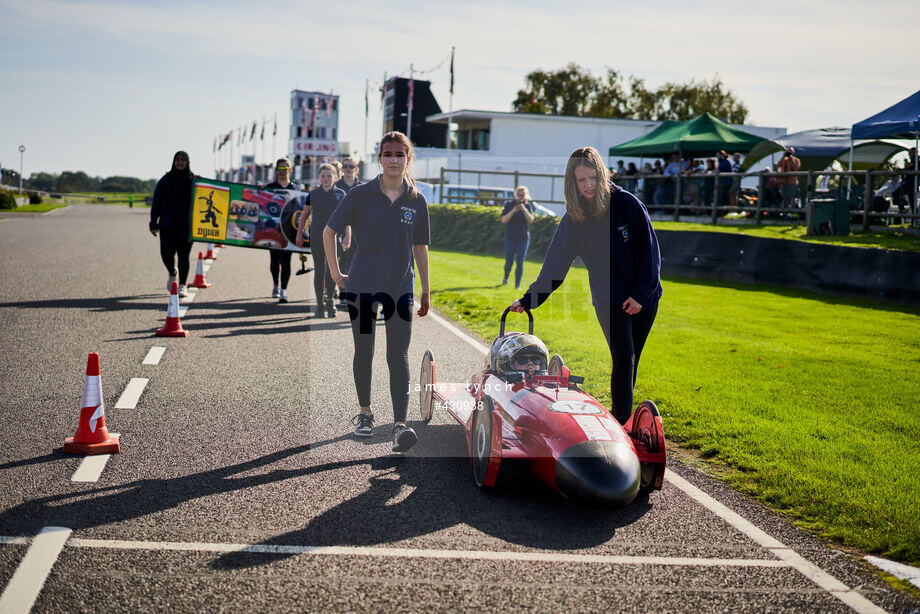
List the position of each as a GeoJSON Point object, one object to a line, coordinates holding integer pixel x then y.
{"type": "Point", "coordinates": [247, 216]}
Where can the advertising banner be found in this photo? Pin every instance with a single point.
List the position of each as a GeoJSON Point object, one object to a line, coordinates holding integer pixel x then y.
{"type": "Point", "coordinates": [247, 216]}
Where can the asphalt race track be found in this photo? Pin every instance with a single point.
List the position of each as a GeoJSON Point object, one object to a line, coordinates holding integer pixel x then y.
{"type": "Point", "coordinates": [239, 486]}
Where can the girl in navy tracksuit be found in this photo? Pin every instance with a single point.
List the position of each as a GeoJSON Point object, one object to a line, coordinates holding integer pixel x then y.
{"type": "Point", "coordinates": [323, 201]}
{"type": "Point", "coordinates": [389, 222]}
{"type": "Point", "coordinates": [611, 231]}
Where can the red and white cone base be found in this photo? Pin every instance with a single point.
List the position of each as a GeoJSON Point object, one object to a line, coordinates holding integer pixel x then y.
{"type": "Point", "coordinates": [173, 327]}
{"type": "Point", "coordinates": [200, 281]}
{"type": "Point", "coordinates": [92, 436]}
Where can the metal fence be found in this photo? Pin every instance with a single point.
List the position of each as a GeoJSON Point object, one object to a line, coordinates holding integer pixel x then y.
{"type": "Point", "coordinates": [872, 197]}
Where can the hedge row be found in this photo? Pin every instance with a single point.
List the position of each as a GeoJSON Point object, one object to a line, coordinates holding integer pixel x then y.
{"type": "Point", "coordinates": [479, 229]}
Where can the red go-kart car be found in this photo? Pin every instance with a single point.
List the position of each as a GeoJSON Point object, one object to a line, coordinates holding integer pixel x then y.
{"type": "Point", "coordinates": [567, 438]}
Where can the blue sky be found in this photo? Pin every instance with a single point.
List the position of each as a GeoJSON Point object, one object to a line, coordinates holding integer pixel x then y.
{"type": "Point", "coordinates": [114, 88]}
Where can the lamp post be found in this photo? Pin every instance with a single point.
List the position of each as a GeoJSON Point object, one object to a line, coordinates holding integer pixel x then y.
{"type": "Point", "coordinates": [22, 150]}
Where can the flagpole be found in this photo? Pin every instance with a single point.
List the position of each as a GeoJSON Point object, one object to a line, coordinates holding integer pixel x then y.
{"type": "Point", "coordinates": [409, 118]}
{"type": "Point", "coordinates": [366, 111]}
{"type": "Point", "coordinates": [383, 106]}
{"type": "Point", "coordinates": [450, 108]}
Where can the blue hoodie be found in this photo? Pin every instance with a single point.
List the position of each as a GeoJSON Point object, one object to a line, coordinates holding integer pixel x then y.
{"type": "Point", "coordinates": [620, 251]}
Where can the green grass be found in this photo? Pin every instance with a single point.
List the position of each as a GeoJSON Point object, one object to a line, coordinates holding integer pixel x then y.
{"type": "Point", "coordinates": [108, 198]}
{"type": "Point", "coordinates": [807, 402]}
{"type": "Point", "coordinates": [47, 205]}
{"type": "Point", "coordinates": [896, 238]}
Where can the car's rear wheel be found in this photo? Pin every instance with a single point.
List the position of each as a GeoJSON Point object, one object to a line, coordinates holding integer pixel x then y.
{"type": "Point", "coordinates": [482, 445]}
{"type": "Point", "coordinates": [426, 385]}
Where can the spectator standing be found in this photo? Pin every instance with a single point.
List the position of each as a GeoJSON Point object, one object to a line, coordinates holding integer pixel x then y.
{"type": "Point", "coordinates": [610, 230]}
{"type": "Point", "coordinates": [517, 215]}
{"type": "Point", "coordinates": [708, 182]}
{"type": "Point", "coordinates": [389, 220]}
{"type": "Point", "coordinates": [789, 185]}
{"type": "Point", "coordinates": [725, 183]}
{"type": "Point", "coordinates": [736, 181]}
{"type": "Point", "coordinates": [280, 259]}
{"type": "Point", "coordinates": [673, 169]}
{"type": "Point", "coordinates": [169, 215]}
{"type": "Point", "coordinates": [323, 202]}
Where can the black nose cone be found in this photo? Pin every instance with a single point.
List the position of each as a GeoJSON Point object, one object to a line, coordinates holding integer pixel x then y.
{"type": "Point", "coordinates": [599, 472]}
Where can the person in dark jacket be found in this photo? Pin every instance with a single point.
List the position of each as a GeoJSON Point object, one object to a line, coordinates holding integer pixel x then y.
{"type": "Point", "coordinates": [323, 201]}
{"type": "Point", "coordinates": [280, 259]}
{"type": "Point", "coordinates": [517, 215]}
{"type": "Point", "coordinates": [169, 215]}
{"type": "Point", "coordinates": [610, 230]}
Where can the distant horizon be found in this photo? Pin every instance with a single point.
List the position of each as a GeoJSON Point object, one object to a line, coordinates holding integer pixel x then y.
{"type": "Point", "coordinates": [112, 88]}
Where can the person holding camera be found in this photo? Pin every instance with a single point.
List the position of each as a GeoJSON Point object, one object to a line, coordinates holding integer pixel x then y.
{"type": "Point", "coordinates": [517, 215]}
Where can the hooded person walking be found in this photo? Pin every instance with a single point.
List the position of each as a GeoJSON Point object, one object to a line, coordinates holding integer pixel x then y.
{"type": "Point", "coordinates": [169, 215]}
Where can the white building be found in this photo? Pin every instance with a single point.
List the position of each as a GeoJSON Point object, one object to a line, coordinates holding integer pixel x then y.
{"type": "Point", "coordinates": [532, 143]}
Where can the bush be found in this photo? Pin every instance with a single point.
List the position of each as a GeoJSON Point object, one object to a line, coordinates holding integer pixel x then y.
{"type": "Point", "coordinates": [7, 201]}
{"type": "Point", "coordinates": [35, 198]}
{"type": "Point", "coordinates": [479, 229]}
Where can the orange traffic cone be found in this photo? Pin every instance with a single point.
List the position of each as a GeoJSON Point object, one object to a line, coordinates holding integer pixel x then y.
{"type": "Point", "coordinates": [92, 437]}
{"type": "Point", "coordinates": [200, 281]}
{"type": "Point", "coordinates": [210, 255]}
{"type": "Point", "coordinates": [173, 327]}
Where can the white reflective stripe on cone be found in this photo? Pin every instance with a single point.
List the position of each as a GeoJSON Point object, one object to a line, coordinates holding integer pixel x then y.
{"type": "Point", "coordinates": [92, 391]}
{"type": "Point", "coordinates": [173, 310]}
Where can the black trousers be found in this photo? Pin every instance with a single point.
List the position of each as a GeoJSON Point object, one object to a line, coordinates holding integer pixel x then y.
{"type": "Point", "coordinates": [174, 244]}
{"type": "Point", "coordinates": [626, 335]}
{"type": "Point", "coordinates": [363, 310]}
{"type": "Point", "coordinates": [280, 263]}
{"type": "Point", "coordinates": [322, 276]}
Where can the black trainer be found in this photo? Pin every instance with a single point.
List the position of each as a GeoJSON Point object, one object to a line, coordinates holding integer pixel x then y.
{"type": "Point", "coordinates": [330, 309]}
{"type": "Point", "coordinates": [364, 424]}
{"type": "Point", "coordinates": [403, 438]}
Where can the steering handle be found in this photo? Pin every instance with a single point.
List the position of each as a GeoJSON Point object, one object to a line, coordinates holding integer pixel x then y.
{"type": "Point", "coordinates": [501, 330]}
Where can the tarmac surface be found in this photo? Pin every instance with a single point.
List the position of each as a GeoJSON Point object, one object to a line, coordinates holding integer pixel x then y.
{"type": "Point", "coordinates": [239, 486]}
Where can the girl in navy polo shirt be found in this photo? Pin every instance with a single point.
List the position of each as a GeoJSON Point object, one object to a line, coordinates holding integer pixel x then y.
{"type": "Point", "coordinates": [323, 201]}
{"type": "Point", "coordinates": [389, 222]}
{"type": "Point", "coordinates": [611, 231]}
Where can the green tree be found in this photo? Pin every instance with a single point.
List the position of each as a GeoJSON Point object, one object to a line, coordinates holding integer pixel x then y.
{"type": "Point", "coordinates": [573, 90]}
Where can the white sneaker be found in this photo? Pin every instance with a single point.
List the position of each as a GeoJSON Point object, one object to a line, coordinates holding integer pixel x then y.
{"type": "Point", "coordinates": [282, 296]}
{"type": "Point", "coordinates": [169, 283]}
{"type": "Point", "coordinates": [182, 291]}
{"type": "Point", "coordinates": [276, 290]}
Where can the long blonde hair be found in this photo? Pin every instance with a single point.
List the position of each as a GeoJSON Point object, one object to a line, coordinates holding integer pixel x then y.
{"type": "Point", "coordinates": [575, 205]}
{"type": "Point", "coordinates": [398, 137]}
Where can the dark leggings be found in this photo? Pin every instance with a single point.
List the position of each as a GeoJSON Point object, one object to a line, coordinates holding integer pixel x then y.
{"type": "Point", "coordinates": [174, 242]}
{"type": "Point", "coordinates": [322, 276]}
{"type": "Point", "coordinates": [626, 337]}
{"type": "Point", "coordinates": [280, 261]}
{"type": "Point", "coordinates": [515, 251]}
{"type": "Point", "coordinates": [363, 311]}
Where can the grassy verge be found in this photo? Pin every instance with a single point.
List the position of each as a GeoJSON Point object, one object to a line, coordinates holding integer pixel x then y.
{"type": "Point", "coordinates": [48, 205]}
{"type": "Point", "coordinates": [896, 238]}
{"type": "Point", "coordinates": [107, 198]}
{"type": "Point", "coordinates": [810, 402]}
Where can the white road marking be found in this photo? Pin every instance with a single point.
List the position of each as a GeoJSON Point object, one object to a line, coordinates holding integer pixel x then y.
{"type": "Point", "coordinates": [811, 571]}
{"type": "Point", "coordinates": [22, 591]}
{"type": "Point", "coordinates": [808, 569]}
{"type": "Point", "coordinates": [423, 553]}
{"type": "Point", "coordinates": [153, 355]}
{"type": "Point", "coordinates": [206, 267]}
{"type": "Point", "coordinates": [898, 570]}
{"type": "Point", "coordinates": [132, 393]}
{"type": "Point", "coordinates": [91, 467]}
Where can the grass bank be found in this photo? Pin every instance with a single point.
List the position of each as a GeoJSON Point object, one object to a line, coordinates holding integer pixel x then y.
{"type": "Point", "coordinates": [808, 402]}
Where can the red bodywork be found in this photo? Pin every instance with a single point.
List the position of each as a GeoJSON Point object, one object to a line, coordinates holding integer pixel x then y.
{"type": "Point", "coordinates": [543, 419]}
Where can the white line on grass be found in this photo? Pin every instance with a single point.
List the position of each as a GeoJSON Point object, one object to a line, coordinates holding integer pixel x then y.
{"type": "Point", "coordinates": [23, 589]}
{"type": "Point", "coordinates": [811, 571]}
{"type": "Point", "coordinates": [132, 393]}
{"type": "Point", "coordinates": [898, 570]}
{"type": "Point", "coordinates": [154, 355]}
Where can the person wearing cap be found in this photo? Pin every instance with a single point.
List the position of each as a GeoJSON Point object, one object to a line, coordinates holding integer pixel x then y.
{"type": "Point", "coordinates": [280, 259]}
{"type": "Point", "coordinates": [789, 185]}
{"type": "Point", "coordinates": [609, 228]}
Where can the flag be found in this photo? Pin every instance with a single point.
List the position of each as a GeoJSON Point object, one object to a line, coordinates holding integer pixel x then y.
{"type": "Point", "coordinates": [411, 92]}
{"type": "Point", "coordinates": [262, 134]}
{"type": "Point", "coordinates": [303, 115]}
{"type": "Point", "coordinates": [252, 134]}
{"type": "Point", "coordinates": [214, 146]}
{"type": "Point", "coordinates": [329, 105]}
{"type": "Point", "coordinates": [366, 101]}
{"type": "Point", "coordinates": [451, 71]}
{"type": "Point", "coordinates": [275, 129]}
{"type": "Point", "coordinates": [315, 112]}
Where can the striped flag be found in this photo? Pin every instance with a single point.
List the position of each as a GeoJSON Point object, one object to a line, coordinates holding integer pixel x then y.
{"type": "Point", "coordinates": [411, 91]}
{"type": "Point", "coordinates": [451, 70]}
